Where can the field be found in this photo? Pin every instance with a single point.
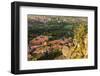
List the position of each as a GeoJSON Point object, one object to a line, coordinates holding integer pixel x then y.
{"type": "Point", "coordinates": [57, 37]}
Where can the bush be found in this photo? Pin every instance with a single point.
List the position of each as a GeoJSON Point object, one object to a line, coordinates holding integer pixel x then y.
{"type": "Point", "coordinates": [51, 55]}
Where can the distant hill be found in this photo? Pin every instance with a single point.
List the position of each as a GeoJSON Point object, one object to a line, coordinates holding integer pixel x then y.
{"type": "Point", "coordinates": [33, 20]}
